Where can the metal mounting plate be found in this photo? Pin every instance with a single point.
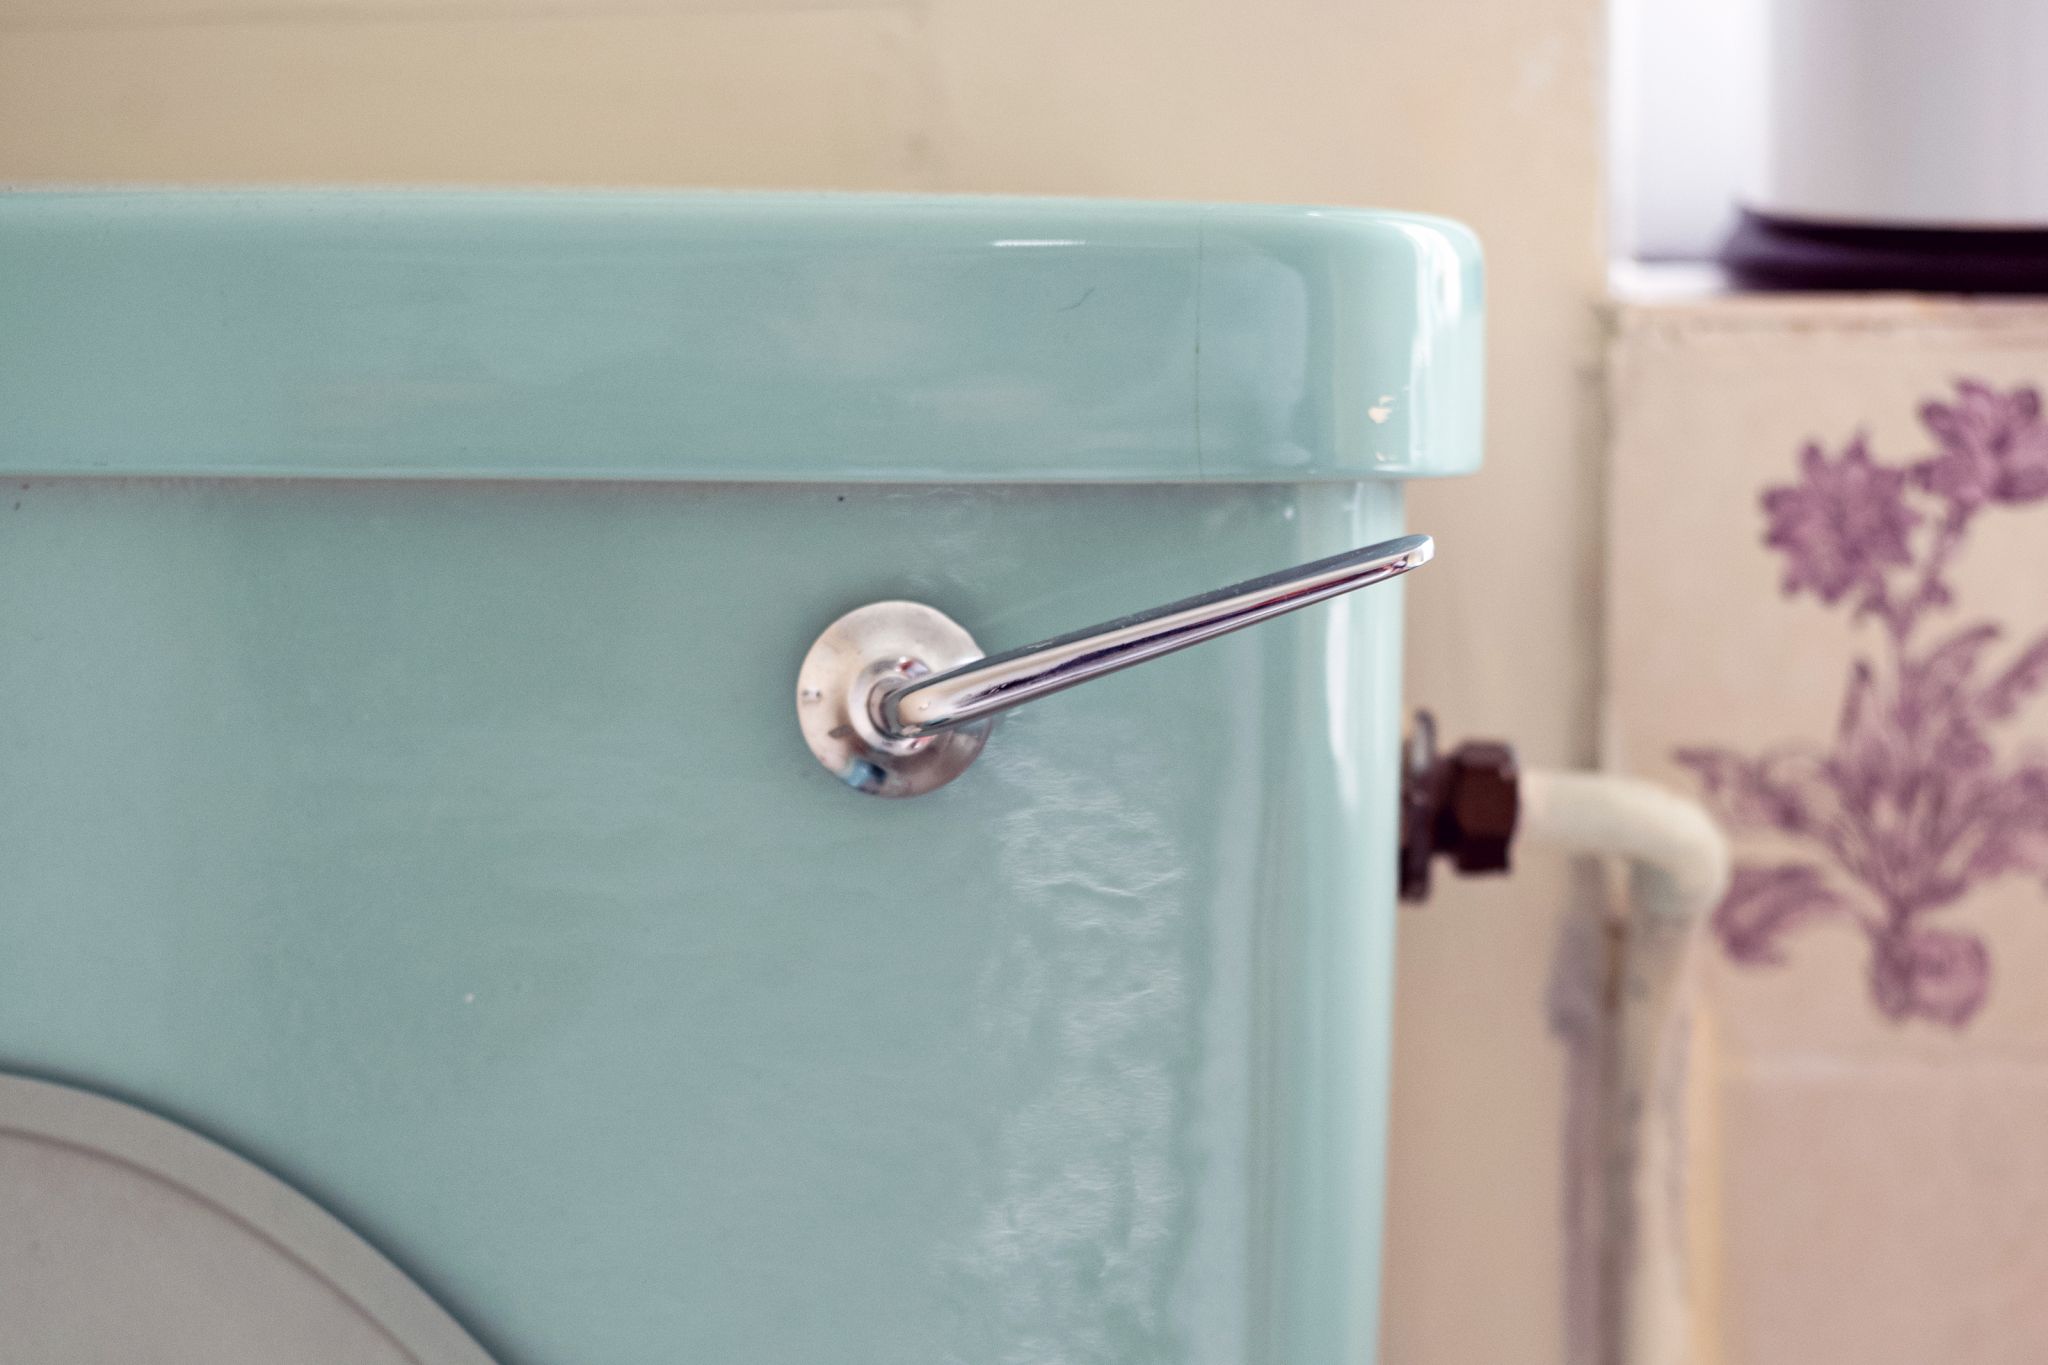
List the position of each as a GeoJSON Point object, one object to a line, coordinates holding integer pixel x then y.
{"type": "Point", "coordinates": [866, 648]}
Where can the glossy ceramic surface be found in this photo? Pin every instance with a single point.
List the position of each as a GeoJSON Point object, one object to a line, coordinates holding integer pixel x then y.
{"type": "Point", "coordinates": [732, 336]}
{"type": "Point", "coordinates": [446, 844]}
{"type": "Point", "coordinates": [449, 850]}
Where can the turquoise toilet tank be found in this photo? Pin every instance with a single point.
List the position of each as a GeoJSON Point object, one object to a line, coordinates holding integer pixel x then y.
{"type": "Point", "coordinates": [406, 781]}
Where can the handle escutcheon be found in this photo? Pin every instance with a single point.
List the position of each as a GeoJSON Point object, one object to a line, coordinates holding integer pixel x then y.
{"type": "Point", "coordinates": [896, 699]}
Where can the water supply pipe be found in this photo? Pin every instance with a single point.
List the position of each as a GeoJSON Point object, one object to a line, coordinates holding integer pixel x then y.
{"type": "Point", "coordinates": [1474, 806]}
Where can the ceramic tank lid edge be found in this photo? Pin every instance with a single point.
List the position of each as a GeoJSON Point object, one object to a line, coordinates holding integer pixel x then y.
{"type": "Point", "coordinates": [730, 336]}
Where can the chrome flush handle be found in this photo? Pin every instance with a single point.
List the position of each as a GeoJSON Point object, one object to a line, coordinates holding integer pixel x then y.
{"type": "Point", "coordinates": [897, 699]}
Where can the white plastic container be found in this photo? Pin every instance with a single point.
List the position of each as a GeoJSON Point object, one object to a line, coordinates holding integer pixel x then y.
{"type": "Point", "coordinates": [1924, 122]}
{"type": "Point", "coordinates": [1907, 113]}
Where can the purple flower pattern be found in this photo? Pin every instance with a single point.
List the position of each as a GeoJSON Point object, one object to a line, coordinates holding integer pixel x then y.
{"type": "Point", "coordinates": [1842, 525]}
{"type": "Point", "coordinates": [1994, 446]}
{"type": "Point", "coordinates": [1911, 804]}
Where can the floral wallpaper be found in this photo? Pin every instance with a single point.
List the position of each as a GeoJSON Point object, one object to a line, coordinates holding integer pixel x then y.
{"type": "Point", "coordinates": [1919, 796]}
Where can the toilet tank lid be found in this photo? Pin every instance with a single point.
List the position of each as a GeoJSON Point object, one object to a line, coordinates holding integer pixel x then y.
{"type": "Point", "coordinates": [715, 336]}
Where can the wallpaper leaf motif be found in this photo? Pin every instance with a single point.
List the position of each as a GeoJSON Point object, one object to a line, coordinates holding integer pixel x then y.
{"type": "Point", "coordinates": [1912, 803]}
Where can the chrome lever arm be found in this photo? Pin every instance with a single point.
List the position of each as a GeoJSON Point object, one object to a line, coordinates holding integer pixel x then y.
{"type": "Point", "coordinates": [993, 685]}
{"type": "Point", "coordinates": [897, 699]}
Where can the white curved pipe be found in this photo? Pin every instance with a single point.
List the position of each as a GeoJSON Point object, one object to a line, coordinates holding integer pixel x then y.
{"type": "Point", "coordinates": [1677, 852]}
{"type": "Point", "coordinates": [1679, 868]}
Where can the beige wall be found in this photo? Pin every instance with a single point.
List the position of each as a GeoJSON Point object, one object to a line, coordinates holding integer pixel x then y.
{"type": "Point", "coordinates": [1482, 109]}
